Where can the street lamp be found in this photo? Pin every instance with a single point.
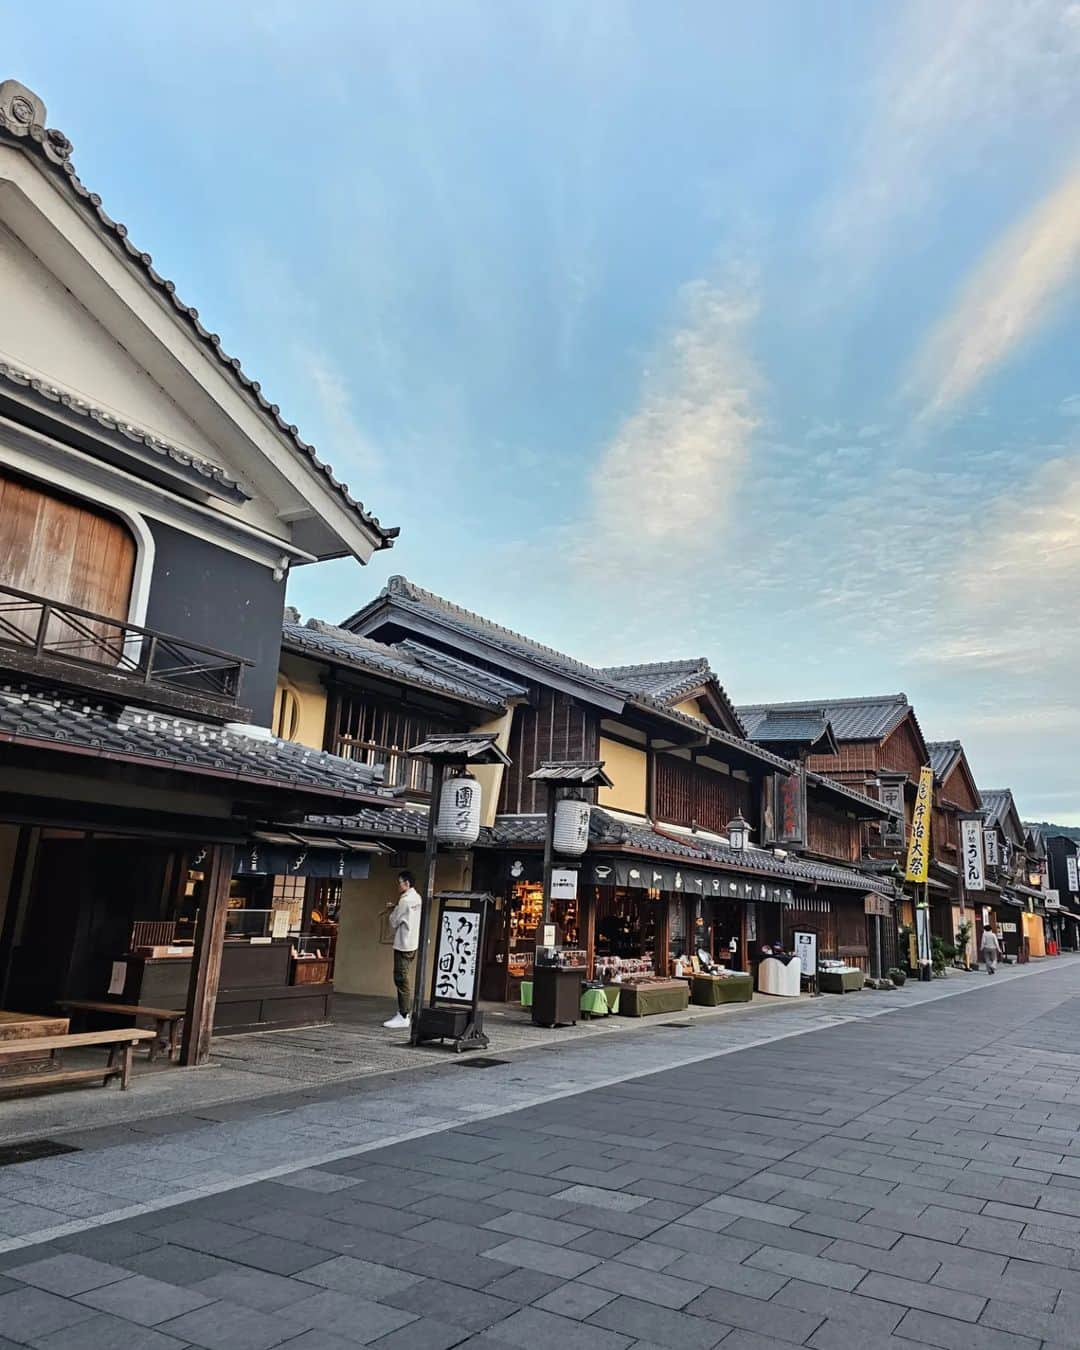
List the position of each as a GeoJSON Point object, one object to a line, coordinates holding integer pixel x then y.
{"type": "Point", "coordinates": [738, 833]}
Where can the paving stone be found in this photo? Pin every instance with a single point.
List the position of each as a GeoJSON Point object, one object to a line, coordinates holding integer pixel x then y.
{"type": "Point", "coordinates": [351, 1276]}
{"type": "Point", "coordinates": [176, 1265]}
{"type": "Point", "coordinates": [435, 1299]}
{"type": "Point", "coordinates": [319, 1339]}
{"type": "Point", "coordinates": [752, 1314]}
{"type": "Point", "coordinates": [227, 1326]}
{"type": "Point", "coordinates": [716, 1273]}
{"type": "Point", "coordinates": [316, 1179]}
{"type": "Point", "coordinates": [867, 1233]}
{"type": "Point", "coordinates": [348, 1315]}
{"type": "Point", "coordinates": [908, 1265]}
{"type": "Point", "coordinates": [794, 1239]}
{"type": "Point", "coordinates": [439, 1263]}
{"type": "Point", "coordinates": [574, 1300]}
{"type": "Point", "coordinates": [556, 1231]}
{"type": "Point", "coordinates": [813, 1269]}
{"type": "Point", "coordinates": [660, 1326]}
{"type": "Point", "coordinates": [145, 1301]}
{"type": "Point", "coordinates": [534, 1329]}
{"type": "Point", "coordinates": [1019, 1292]}
{"type": "Point", "coordinates": [541, 1256]}
{"type": "Point", "coordinates": [1060, 1328]}
{"type": "Point", "coordinates": [523, 1286]}
{"type": "Point", "coordinates": [601, 1197]}
{"type": "Point", "coordinates": [927, 1297]}
{"type": "Point", "coordinates": [27, 1312]}
{"type": "Point", "coordinates": [68, 1273]}
{"type": "Point", "coordinates": [835, 1334]}
{"type": "Point", "coordinates": [458, 1237]}
{"type": "Point", "coordinates": [602, 1244]}
{"type": "Point", "coordinates": [201, 1235]}
{"type": "Point", "coordinates": [669, 1291]}
{"type": "Point", "coordinates": [951, 1334]}
{"type": "Point", "coordinates": [837, 1305]}
{"type": "Point", "coordinates": [782, 1215]}
{"type": "Point", "coordinates": [277, 1255]}
{"type": "Point", "coordinates": [455, 1208]}
{"type": "Point", "coordinates": [105, 1332]}
{"type": "Point", "coordinates": [423, 1334]}
{"type": "Point", "coordinates": [649, 1255]}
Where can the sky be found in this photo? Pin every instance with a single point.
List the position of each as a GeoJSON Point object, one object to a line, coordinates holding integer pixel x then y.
{"type": "Point", "coordinates": [662, 330]}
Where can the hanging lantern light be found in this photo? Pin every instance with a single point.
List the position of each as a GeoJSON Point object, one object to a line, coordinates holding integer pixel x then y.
{"type": "Point", "coordinates": [571, 835]}
{"type": "Point", "coordinates": [458, 822]}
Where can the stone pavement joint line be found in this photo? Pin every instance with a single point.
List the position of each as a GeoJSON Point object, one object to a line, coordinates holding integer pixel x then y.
{"type": "Point", "coordinates": [896, 1182]}
{"type": "Point", "coordinates": [191, 1159]}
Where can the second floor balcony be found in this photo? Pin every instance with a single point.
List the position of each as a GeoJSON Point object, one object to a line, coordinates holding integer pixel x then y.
{"type": "Point", "coordinates": [113, 659]}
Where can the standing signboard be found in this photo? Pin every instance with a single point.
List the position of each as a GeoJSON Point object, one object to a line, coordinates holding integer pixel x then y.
{"type": "Point", "coordinates": [971, 854]}
{"type": "Point", "coordinates": [806, 951]}
{"type": "Point", "coordinates": [451, 1013]}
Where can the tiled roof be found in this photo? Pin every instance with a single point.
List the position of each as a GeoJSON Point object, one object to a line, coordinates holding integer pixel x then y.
{"type": "Point", "coordinates": [413, 599]}
{"type": "Point", "coordinates": [943, 757]}
{"type": "Point", "coordinates": [21, 125]}
{"type": "Point", "coordinates": [995, 804]}
{"type": "Point", "coordinates": [833, 785]}
{"type": "Point", "coordinates": [853, 719]}
{"type": "Point", "coordinates": [36, 714]}
{"type": "Point", "coordinates": [394, 822]}
{"type": "Point", "coordinates": [194, 466]}
{"type": "Point", "coordinates": [809, 729]}
{"type": "Point", "coordinates": [662, 679]}
{"type": "Point", "coordinates": [606, 830]}
{"type": "Point", "coordinates": [411, 663]}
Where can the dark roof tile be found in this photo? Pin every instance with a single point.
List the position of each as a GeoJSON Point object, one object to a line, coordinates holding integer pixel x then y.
{"type": "Point", "coordinates": [853, 719]}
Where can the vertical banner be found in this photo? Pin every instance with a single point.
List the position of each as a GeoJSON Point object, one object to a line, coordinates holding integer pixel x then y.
{"type": "Point", "coordinates": [1073, 874]}
{"type": "Point", "coordinates": [918, 858]}
{"type": "Point", "coordinates": [990, 847]}
{"type": "Point", "coordinates": [971, 854]}
{"type": "Point", "coordinates": [790, 818]}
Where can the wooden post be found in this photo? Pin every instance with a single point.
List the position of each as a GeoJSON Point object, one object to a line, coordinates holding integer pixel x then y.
{"type": "Point", "coordinates": [430, 852]}
{"type": "Point", "coordinates": [206, 958]}
{"type": "Point", "coordinates": [549, 834]}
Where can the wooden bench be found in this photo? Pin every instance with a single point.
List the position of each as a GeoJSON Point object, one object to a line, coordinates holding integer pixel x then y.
{"type": "Point", "coordinates": [167, 1021]}
{"type": "Point", "coordinates": [120, 1043]}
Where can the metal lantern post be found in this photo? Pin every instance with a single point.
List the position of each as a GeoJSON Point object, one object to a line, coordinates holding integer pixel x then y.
{"type": "Point", "coordinates": [441, 752]}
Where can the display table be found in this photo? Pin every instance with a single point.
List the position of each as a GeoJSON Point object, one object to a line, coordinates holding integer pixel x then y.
{"type": "Point", "coordinates": [780, 977]}
{"type": "Point", "coordinates": [594, 1002]}
{"type": "Point", "coordinates": [709, 991]}
{"type": "Point", "coordinates": [645, 1000]}
{"type": "Point", "coordinates": [840, 981]}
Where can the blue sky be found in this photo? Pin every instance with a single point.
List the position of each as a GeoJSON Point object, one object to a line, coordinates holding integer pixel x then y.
{"type": "Point", "coordinates": [661, 329]}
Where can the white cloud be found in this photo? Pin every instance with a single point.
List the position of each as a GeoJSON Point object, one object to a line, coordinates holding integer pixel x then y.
{"type": "Point", "coordinates": [955, 76]}
{"type": "Point", "coordinates": [1009, 294]}
{"type": "Point", "coordinates": [664, 483]}
{"type": "Point", "coordinates": [334, 402]}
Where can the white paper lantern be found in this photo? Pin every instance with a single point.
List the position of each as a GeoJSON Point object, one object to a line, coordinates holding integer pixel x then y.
{"type": "Point", "coordinates": [571, 827]}
{"type": "Point", "coordinates": [458, 824]}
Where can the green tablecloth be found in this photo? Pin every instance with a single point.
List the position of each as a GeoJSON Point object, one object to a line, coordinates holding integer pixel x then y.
{"type": "Point", "coordinates": [595, 1002]}
{"type": "Point", "coordinates": [709, 991]}
{"type": "Point", "coordinates": [645, 1000]}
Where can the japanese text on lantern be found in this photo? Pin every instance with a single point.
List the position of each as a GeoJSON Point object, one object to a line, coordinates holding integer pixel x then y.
{"type": "Point", "coordinates": [918, 858]}
{"type": "Point", "coordinates": [455, 967]}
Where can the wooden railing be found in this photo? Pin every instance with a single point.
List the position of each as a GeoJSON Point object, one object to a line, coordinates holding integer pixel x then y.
{"type": "Point", "coordinates": [58, 640]}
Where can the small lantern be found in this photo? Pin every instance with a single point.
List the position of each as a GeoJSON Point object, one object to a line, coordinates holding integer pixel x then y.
{"type": "Point", "coordinates": [738, 832]}
{"type": "Point", "coordinates": [571, 836]}
{"type": "Point", "coordinates": [458, 822]}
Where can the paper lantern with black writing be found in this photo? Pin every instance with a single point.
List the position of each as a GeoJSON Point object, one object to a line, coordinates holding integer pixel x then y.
{"type": "Point", "coordinates": [458, 825]}
{"type": "Point", "coordinates": [571, 836]}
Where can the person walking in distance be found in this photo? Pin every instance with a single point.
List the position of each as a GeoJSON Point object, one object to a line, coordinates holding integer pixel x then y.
{"type": "Point", "coordinates": [404, 919]}
{"type": "Point", "coordinates": [991, 949]}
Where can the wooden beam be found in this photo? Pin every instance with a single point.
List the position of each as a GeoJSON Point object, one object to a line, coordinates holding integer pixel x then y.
{"type": "Point", "coordinates": [206, 958]}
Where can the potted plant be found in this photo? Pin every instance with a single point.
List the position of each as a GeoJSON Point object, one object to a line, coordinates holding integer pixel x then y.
{"type": "Point", "coordinates": [897, 975]}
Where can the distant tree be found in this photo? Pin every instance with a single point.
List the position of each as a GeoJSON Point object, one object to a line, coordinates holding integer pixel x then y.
{"type": "Point", "coordinates": [1048, 827]}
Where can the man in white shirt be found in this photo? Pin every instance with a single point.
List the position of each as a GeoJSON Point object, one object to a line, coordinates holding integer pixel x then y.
{"type": "Point", "coordinates": [405, 921]}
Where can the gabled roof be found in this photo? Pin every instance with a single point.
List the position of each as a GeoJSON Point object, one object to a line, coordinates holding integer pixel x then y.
{"type": "Point", "coordinates": [999, 808]}
{"type": "Point", "coordinates": [798, 730]}
{"type": "Point", "coordinates": [22, 117]}
{"type": "Point", "coordinates": [429, 611]}
{"type": "Point", "coordinates": [35, 714]}
{"type": "Point", "coordinates": [673, 681]}
{"type": "Point", "coordinates": [853, 719]}
{"type": "Point", "coordinates": [944, 757]}
{"type": "Point", "coordinates": [408, 662]}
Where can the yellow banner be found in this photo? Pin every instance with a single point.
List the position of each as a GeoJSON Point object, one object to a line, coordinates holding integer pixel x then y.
{"type": "Point", "coordinates": [918, 858]}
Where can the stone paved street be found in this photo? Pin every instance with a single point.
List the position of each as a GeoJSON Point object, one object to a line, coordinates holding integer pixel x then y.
{"type": "Point", "coordinates": [907, 1179]}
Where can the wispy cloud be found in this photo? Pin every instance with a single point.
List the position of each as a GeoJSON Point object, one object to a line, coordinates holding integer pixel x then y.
{"type": "Point", "coordinates": [1010, 293]}
{"type": "Point", "coordinates": [664, 483]}
{"type": "Point", "coordinates": [953, 79]}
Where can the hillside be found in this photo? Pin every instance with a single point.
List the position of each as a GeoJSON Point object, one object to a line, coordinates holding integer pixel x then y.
{"type": "Point", "coordinates": [1070, 831]}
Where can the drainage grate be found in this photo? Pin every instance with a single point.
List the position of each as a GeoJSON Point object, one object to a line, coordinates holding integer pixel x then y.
{"type": "Point", "coordinates": [30, 1150]}
{"type": "Point", "coordinates": [482, 1062]}
{"type": "Point", "coordinates": [672, 1026]}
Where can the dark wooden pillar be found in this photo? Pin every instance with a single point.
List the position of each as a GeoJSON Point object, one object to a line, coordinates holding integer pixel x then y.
{"type": "Point", "coordinates": [206, 958]}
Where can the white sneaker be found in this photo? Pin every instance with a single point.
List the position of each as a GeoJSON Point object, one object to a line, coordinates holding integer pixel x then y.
{"type": "Point", "coordinates": [397, 1022]}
